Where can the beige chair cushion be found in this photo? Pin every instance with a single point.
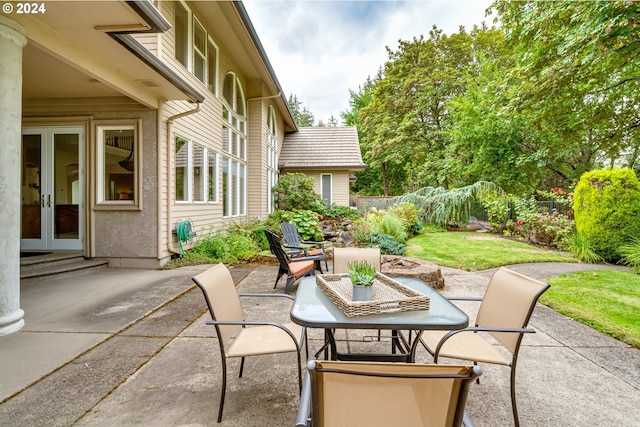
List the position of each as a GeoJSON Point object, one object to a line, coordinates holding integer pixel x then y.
{"type": "Point", "coordinates": [466, 346]}
{"type": "Point", "coordinates": [257, 340]}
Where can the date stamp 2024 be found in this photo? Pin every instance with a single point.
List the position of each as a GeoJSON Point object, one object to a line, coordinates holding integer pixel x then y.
{"type": "Point", "coordinates": [32, 8]}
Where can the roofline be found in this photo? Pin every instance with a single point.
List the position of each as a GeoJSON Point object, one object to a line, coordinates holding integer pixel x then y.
{"type": "Point", "coordinates": [157, 24]}
{"type": "Point", "coordinates": [263, 56]}
{"type": "Point", "coordinates": [358, 167]}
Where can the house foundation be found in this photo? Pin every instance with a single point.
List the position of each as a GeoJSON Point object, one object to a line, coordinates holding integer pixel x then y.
{"type": "Point", "coordinates": [12, 40]}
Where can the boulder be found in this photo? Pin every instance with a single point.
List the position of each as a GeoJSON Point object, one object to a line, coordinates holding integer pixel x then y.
{"type": "Point", "coordinates": [401, 266]}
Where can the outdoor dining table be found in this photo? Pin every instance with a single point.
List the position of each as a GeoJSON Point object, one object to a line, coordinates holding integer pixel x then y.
{"type": "Point", "coordinates": [313, 308]}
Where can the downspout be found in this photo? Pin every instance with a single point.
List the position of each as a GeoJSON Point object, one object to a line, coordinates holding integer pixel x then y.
{"type": "Point", "coordinates": [170, 120]}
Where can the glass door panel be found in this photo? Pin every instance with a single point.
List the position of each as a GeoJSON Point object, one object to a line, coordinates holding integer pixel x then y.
{"type": "Point", "coordinates": [52, 188]}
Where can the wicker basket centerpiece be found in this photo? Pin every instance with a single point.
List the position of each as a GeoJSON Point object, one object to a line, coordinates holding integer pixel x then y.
{"type": "Point", "coordinates": [388, 296]}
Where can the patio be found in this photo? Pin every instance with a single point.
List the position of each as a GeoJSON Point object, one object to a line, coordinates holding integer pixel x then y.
{"type": "Point", "coordinates": [139, 353]}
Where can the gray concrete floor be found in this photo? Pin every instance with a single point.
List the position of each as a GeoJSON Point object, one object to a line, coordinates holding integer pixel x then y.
{"type": "Point", "coordinates": [131, 348]}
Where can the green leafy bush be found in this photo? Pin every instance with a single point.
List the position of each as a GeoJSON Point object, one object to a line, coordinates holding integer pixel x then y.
{"type": "Point", "coordinates": [546, 229]}
{"type": "Point", "coordinates": [393, 226]}
{"type": "Point", "coordinates": [606, 209]}
{"type": "Point", "coordinates": [295, 191]}
{"type": "Point", "coordinates": [224, 246]}
{"type": "Point", "coordinates": [307, 222]}
{"type": "Point", "coordinates": [342, 212]}
{"type": "Point", "coordinates": [361, 232]}
{"type": "Point", "coordinates": [388, 245]}
{"type": "Point", "coordinates": [409, 216]}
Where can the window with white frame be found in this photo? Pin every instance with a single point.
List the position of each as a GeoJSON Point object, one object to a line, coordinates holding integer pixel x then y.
{"type": "Point", "coordinates": [196, 171]}
{"type": "Point", "coordinates": [194, 48]}
{"type": "Point", "coordinates": [234, 136]}
{"type": "Point", "coordinates": [118, 163]}
{"type": "Point", "coordinates": [272, 159]}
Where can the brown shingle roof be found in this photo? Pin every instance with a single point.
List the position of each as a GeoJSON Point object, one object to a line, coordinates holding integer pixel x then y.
{"type": "Point", "coordinates": [322, 148]}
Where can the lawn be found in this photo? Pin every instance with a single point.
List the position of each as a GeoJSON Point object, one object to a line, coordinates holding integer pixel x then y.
{"type": "Point", "coordinates": [606, 300]}
{"type": "Point", "coordinates": [478, 251]}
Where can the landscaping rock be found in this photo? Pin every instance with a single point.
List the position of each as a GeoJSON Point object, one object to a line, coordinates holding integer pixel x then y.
{"type": "Point", "coordinates": [415, 268]}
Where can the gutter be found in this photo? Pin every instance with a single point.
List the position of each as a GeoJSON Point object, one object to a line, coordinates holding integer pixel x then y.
{"type": "Point", "coordinates": [156, 23]}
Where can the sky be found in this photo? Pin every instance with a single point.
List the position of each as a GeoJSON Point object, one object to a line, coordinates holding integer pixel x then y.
{"type": "Point", "coordinates": [320, 50]}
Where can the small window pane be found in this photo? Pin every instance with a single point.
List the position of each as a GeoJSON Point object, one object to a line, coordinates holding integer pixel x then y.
{"type": "Point", "coordinates": [198, 173]}
{"type": "Point", "coordinates": [182, 34]}
{"type": "Point", "coordinates": [119, 164]}
{"type": "Point", "coordinates": [225, 187]}
{"type": "Point", "coordinates": [212, 67]}
{"type": "Point", "coordinates": [212, 176]}
{"type": "Point", "coordinates": [227, 90]}
{"type": "Point", "coordinates": [181, 169]}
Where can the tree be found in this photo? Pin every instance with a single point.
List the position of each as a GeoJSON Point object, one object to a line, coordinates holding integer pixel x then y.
{"type": "Point", "coordinates": [577, 78]}
{"type": "Point", "coordinates": [302, 116]}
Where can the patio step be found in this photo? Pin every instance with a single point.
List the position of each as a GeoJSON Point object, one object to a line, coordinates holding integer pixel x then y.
{"type": "Point", "coordinates": [46, 265]}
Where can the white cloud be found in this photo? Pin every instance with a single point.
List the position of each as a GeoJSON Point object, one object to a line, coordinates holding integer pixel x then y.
{"type": "Point", "coordinates": [322, 49]}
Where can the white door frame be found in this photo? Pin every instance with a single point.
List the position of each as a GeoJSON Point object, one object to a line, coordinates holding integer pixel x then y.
{"type": "Point", "coordinates": [48, 239]}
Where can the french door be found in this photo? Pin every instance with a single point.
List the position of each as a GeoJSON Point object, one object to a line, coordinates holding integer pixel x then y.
{"type": "Point", "coordinates": [52, 188]}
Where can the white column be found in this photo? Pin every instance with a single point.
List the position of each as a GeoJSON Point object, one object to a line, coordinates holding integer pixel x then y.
{"type": "Point", "coordinates": [12, 40]}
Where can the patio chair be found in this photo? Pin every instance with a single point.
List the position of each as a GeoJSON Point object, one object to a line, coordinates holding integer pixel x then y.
{"type": "Point", "coordinates": [234, 337]}
{"type": "Point", "coordinates": [293, 267]}
{"type": "Point", "coordinates": [504, 314]}
{"type": "Point", "coordinates": [371, 394]}
{"type": "Point", "coordinates": [294, 241]}
{"type": "Point", "coordinates": [343, 256]}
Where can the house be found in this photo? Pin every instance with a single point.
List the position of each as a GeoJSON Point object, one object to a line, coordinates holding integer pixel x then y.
{"type": "Point", "coordinates": [122, 120]}
{"type": "Point", "coordinates": [329, 155]}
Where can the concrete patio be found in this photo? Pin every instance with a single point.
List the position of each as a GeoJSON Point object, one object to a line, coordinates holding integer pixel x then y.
{"type": "Point", "coordinates": [130, 348]}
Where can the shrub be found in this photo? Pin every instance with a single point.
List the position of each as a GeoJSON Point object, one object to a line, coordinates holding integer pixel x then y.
{"type": "Point", "coordinates": [307, 222]}
{"type": "Point", "coordinates": [546, 229]}
{"type": "Point", "coordinates": [295, 191]}
{"type": "Point", "coordinates": [388, 245]}
{"type": "Point", "coordinates": [409, 216]}
{"type": "Point", "coordinates": [497, 211]}
{"type": "Point", "coordinates": [342, 212]}
{"type": "Point", "coordinates": [361, 232]}
{"type": "Point", "coordinates": [393, 226]}
{"type": "Point", "coordinates": [224, 246]}
{"type": "Point", "coordinates": [582, 250]}
{"type": "Point", "coordinates": [631, 255]}
{"type": "Point", "coordinates": [606, 209]}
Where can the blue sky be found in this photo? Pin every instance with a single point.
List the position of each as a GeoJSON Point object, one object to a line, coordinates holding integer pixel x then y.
{"type": "Point", "coordinates": [322, 49]}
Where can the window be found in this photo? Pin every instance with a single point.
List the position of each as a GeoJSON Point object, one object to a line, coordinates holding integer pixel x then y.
{"type": "Point", "coordinates": [272, 159]}
{"type": "Point", "coordinates": [182, 33]}
{"type": "Point", "coordinates": [194, 48]}
{"type": "Point", "coordinates": [234, 137]}
{"type": "Point", "coordinates": [196, 170]}
{"type": "Point", "coordinates": [118, 164]}
{"type": "Point", "coordinates": [325, 188]}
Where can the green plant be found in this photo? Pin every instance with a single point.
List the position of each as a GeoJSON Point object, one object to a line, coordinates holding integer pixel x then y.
{"type": "Point", "coordinates": [361, 232]}
{"type": "Point", "coordinates": [606, 209]}
{"type": "Point", "coordinates": [362, 273]}
{"type": "Point", "coordinates": [580, 248]}
{"type": "Point", "coordinates": [546, 229]}
{"type": "Point", "coordinates": [631, 255]}
{"type": "Point", "coordinates": [393, 226]}
{"type": "Point", "coordinates": [408, 214]}
{"type": "Point", "coordinates": [295, 191]}
{"type": "Point", "coordinates": [307, 222]}
{"type": "Point", "coordinates": [342, 212]}
{"type": "Point", "coordinates": [388, 245]}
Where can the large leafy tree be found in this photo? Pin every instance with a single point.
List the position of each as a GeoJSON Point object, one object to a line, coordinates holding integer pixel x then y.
{"type": "Point", "coordinates": [577, 78]}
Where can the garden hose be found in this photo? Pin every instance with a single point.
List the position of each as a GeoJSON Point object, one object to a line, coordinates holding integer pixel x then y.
{"type": "Point", "coordinates": [184, 231]}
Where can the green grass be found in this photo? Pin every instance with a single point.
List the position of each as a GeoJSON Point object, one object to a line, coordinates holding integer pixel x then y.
{"type": "Point", "coordinates": [478, 251]}
{"type": "Point", "coordinates": [606, 300]}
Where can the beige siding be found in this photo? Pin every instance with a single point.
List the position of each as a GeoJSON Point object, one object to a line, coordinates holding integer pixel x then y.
{"type": "Point", "coordinates": [339, 184]}
{"type": "Point", "coordinates": [256, 154]}
{"type": "Point", "coordinates": [150, 41]}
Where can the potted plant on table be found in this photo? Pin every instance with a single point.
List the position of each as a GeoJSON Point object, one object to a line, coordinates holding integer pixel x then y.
{"type": "Point", "coordinates": [362, 275]}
